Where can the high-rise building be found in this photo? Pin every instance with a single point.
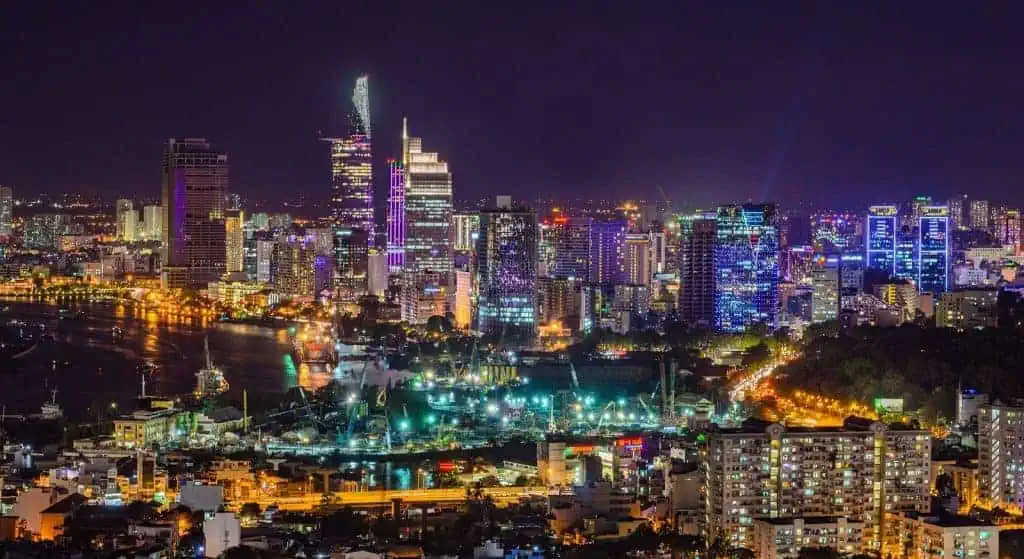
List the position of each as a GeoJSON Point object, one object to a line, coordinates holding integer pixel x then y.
{"type": "Point", "coordinates": [265, 250]}
{"type": "Point", "coordinates": [467, 229]}
{"type": "Point", "coordinates": [697, 269]}
{"type": "Point", "coordinates": [6, 212]}
{"type": "Point", "coordinates": [234, 239]}
{"type": "Point", "coordinates": [638, 258]}
{"type": "Point", "coordinates": [43, 231]}
{"type": "Point", "coordinates": [396, 216]}
{"type": "Point", "coordinates": [746, 267]}
{"type": "Point", "coordinates": [933, 250]}
{"type": "Point", "coordinates": [825, 289]}
{"type": "Point", "coordinates": [979, 215]}
{"type": "Point", "coordinates": [352, 167]}
{"type": "Point", "coordinates": [195, 184]}
{"type": "Point", "coordinates": [906, 254]}
{"type": "Point", "coordinates": [152, 223]}
{"type": "Point", "coordinates": [860, 471]}
{"type": "Point", "coordinates": [127, 220]}
{"type": "Point", "coordinates": [507, 274]}
{"type": "Point", "coordinates": [558, 299]}
{"type": "Point", "coordinates": [463, 299]}
{"type": "Point", "coordinates": [836, 231]}
{"type": "Point", "coordinates": [958, 206]}
{"type": "Point", "coordinates": [351, 256]}
{"type": "Point", "coordinates": [428, 210]}
{"type": "Point", "coordinates": [881, 238]}
{"type": "Point", "coordinates": [295, 266]}
{"type": "Point", "coordinates": [1007, 227]}
{"type": "Point", "coordinates": [912, 213]}
{"type": "Point", "coordinates": [1000, 454]}
{"type": "Point", "coordinates": [658, 251]}
{"type": "Point", "coordinates": [570, 239]}
{"type": "Point", "coordinates": [423, 295]}
{"type": "Point", "coordinates": [608, 252]}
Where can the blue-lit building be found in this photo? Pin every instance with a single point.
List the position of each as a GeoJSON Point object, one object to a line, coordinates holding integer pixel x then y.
{"type": "Point", "coordinates": [608, 252]}
{"type": "Point", "coordinates": [507, 274]}
{"type": "Point", "coordinates": [881, 238]}
{"type": "Point", "coordinates": [933, 249]}
{"type": "Point", "coordinates": [746, 266]}
{"type": "Point", "coordinates": [906, 254]}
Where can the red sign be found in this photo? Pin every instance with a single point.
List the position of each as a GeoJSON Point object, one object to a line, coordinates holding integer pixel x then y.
{"type": "Point", "coordinates": [446, 466]}
{"type": "Point", "coordinates": [630, 442]}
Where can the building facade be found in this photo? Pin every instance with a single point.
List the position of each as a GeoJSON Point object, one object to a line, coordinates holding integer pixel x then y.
{"type": "Point", "coordinates": [933, 250]}
{"type": "Point", "coordinates": [195, 185]}
{"type": "Point", "coordinates": [881, 238]}
{"type": "Point", "coordinates": [746, 267]}
{"type": "Point", "coordinates": [697, 270]}
{"type": "Point", "coordinates": [428, 211]}
{"type": "Point", "coordinates": [352, 167]}
{"type": "Point", "coordinates": [506, 252]}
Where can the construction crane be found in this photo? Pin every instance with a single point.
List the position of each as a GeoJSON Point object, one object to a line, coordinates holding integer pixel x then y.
{"type": "Point", "coordinates": [359, 393]}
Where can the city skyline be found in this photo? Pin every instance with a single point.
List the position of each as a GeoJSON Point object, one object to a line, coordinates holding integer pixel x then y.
{"type": "Point", "coordinates": [821, 129]}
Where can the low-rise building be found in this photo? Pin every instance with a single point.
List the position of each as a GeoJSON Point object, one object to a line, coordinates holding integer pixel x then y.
{"type": "Point", "coordinates": [926, 537]}
{"type": "Point", "coordinates": [968, 308]}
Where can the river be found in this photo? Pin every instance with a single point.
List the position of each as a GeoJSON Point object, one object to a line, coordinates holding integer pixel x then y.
{"type": "Point", "coordinates": [91, 370]}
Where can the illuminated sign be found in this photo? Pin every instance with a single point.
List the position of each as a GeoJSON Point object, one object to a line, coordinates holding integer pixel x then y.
{"type": "Point", "coordinates": [446, 466]}
{"type": "Point", "coordinates": [580, 449]}
{"type": "Point", "coordinates": [630, 442]}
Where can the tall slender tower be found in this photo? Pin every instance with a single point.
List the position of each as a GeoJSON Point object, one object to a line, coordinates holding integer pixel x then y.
{"type": "Point", "coordinates": [195, 184]}
{"type": "Point", "coordinates": [428, 209]}
{"type": "Point", "coordinates": [352, 167]}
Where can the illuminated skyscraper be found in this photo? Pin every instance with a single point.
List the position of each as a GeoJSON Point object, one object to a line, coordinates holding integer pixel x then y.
{"type": "Point", "coordinates": [836, 231]}
{"type": "Point", "coordinates": [825, 289]}
{"type": "Point", "coordinates": [396, 216]}
{"type": "Point", "coordinates": [352, 168]}
{"type": "Point", "coordinates": [195, 185]}
{"type": "Point", "coordinates": [957, 206]}
{"type": "Point", "coordinates": [638, 258]}
{"type": "Point", "coordinates": [152, 222]}
{"type": "Point", "coordinates": [697, 269]}
{"type": "Point", "coordinates": [906, 254]}
{"type": "Point", "coordinates": [467, 229]}
{"type": "Point", "coordinates": [746, 267]}
{"type": "Point", "coordinates": [234, 238]}
{"type": "Point", "coordinates": [979, 215]}
{"type": "Point", "coordinates": [507, 274]}
{"type": "Point", "coordinates": [881, 238]}
{"type": "Point", "coordinates": [6, 211]}
{"type": "Point", "coordinates": [933, 249]}
{"type": "Point", "coordinates": [351, 258]}
{"type": "Point", "coordinates": [1007, 227]}
{"type": "Point", "coordinates": [608, 252]}
{"type": "Point", "coordinates": [569, 238]}
{"type": "Point", "coordinates": [428, 210]}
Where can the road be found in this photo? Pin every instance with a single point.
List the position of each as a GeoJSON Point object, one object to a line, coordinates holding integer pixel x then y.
{"type": "Point", "coordinates": [502, 496]}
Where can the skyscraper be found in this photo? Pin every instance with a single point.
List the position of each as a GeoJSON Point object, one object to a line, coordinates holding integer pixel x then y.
{"type": "Point", "coordinates": [352, 167]}
{"type": "Point", "coordinates": [1007, 228]}
{"type": "Point", "coordinates": [979, 215]}
{"type": "Point", "coordinates": [608, 252]}
{"type": "Point", "coordinates": [153, 222]}
{"type": "Point", "coordinates": [697, 270]}
{"type": "Point", "coordinates": [570, 242]}
{"type": "Point", "coordinates": [638, 258]}
{"type": "Point", "coordinates": [127, 220]}
{"type": "Point", "coordinates": [428, 210]}
{"type": "Point", "coordinates": [933, 250]}
{"type": "Point", "coordinates": [351, 255]}
{"type": "Point", "coordinates": [906, 254]}
{"type": "Point", "coordinates": [881, 238]}
{"type": "Point", "coordinates": [507, 274]}
{"type": "Point", "coordinates": [957, 206]}
{"type": "Point", "coordinates": [746, 267]}
{"type": "Point", "coordinates": [195, 184]}
{"type": "Point", "coordinates": [6, 211]}
{"type": "Point", "coordinates": [234, 238]}
{"type": "Point", "coordinates": [467, 228]}
{"type": "Point", "coordinates": [825, 289]}
{"type": "Point", "coordinates": [396, 216]}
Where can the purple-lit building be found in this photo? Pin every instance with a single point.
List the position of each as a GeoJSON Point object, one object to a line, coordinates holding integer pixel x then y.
{"type": "Point", "coordinates": [396, 216]}
{"type": "Point", "coordinates": [195, 186]}
{"type": "Point", "coordinates": [608, 252]}
{"type": "Point", "coordinates": [507, 274]}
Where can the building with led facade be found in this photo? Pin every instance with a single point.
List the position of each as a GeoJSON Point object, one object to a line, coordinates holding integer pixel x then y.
{"type": "Point", "coordinates": [351, 257]}
{"type": "Point", "coordinates": [746, 266]}
{"type": "Point", "coordinates": [396, 216]}
{"type": "Point", "coordinates": [881, 238]}
{"type": "Point", "coordinates": [1006, 227]}
{"type": "Point", "coordinates": [428, 210]}
{"type": "Point", "coordinates": [825, 289]}
{"type": "Point", "coordinates": [859, 471]}
{"type": "Point", "coordinates": [6, 211]}
{"type": "Point", "coordinates": [697, 269]}
{"type": "Point", "coordinates": [195, 182]}
{"type": "Point", "coordinates": [906, 254]}
{"type": "Point", "coordinates": [352, 167]}
{"type": "Point", "coordinates": [933, 250]}
{"type": "Point", "coordinates": [506, 271]}
{"type": "Point", "coordinates": [836, 231]}
{"type": "Point", "coordinates": [608, 252]}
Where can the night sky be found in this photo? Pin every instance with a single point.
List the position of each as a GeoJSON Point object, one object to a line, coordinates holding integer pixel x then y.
{"type": "Point", "coordinates": [838, 106]}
